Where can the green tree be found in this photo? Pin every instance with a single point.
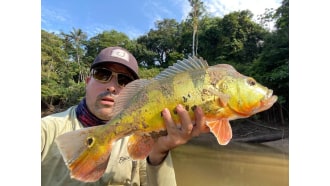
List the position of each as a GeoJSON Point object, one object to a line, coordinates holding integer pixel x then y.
{"type": "Point", "coordinates": [52, 55]}
{"type": "Point", "coordinates": [162, 40]}
{"type": "Point", "coordinates": [143, 55]}
{"type": "Point", "coordinates": [209, 37]}
{"type": "Point", "coordinates": [75, 48]}
{"type": "Point", "coordinates": [272, 68]}
{"type": "Point", "coordinates": [266, 18]}
{"type": "Point", "coordinates": [197, 11]}
{"type": "Point", "coordinates": [58, 87]}
{"type": "Point", "coordinates": [239, 37]}
{"type": "Point", "coordinates": [105, 39]}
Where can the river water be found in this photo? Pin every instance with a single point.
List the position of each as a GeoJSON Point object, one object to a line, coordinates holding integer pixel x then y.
{"type": "Point", "coordinates": [236, 164]}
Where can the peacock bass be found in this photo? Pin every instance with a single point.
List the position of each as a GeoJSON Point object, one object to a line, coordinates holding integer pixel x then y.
{"type": "Point", "coordinates": [223, 93]}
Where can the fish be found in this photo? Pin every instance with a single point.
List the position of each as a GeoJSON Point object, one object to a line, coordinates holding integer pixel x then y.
{"type": "Point", "coordinates": [223, 94]}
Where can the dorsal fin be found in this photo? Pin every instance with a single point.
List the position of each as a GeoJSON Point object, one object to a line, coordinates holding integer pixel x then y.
{"type": "Point", "coordinates": [122, 101]}
{"type": "Point", "coordinates": [183, 66]}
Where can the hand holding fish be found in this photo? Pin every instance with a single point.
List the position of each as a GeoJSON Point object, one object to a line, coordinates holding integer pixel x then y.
{"type": "Point", "coordinates": [177, 135]}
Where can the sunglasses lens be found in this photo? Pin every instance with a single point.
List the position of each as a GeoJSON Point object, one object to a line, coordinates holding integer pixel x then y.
{"type": "Point", "coordinates": [123, 79]}
{"type": "Point", "coordinates": [102, 74]}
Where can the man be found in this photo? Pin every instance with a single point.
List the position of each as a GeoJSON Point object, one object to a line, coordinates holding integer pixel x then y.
{"type": "Point", "coordinates": [112, 69]}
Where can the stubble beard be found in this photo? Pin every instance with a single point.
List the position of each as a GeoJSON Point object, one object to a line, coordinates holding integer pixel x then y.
{"type": "Point", "coordinates": [103, 112]}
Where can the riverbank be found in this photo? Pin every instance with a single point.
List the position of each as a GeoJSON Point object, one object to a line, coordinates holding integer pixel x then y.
{"type": "Point", "coordinates": [272, 135]}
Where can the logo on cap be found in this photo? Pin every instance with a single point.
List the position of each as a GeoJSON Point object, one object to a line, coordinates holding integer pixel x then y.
{"type": "Point", "coordinates": [120, 54]}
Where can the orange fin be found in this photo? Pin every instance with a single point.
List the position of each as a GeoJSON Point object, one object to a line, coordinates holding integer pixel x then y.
{"type": "Point", "coordinates": [85, 155]}
{"type": "Point", "coordinates": [221, 130]}
{"type": "Point", "coordinates": [139, 146]}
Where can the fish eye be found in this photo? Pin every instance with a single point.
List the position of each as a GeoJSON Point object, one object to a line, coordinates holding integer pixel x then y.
{"type": "Point", "coordinates": [251, 82]}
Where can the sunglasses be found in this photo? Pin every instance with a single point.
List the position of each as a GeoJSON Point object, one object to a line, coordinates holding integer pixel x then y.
{"type": "Point", "coordinates": [104, 75]}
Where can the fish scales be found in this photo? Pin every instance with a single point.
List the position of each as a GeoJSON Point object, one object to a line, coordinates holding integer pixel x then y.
{"type": "Point", "coordinates": [223, 93]}
{"type": "Point", "coordinates": [160, 94]}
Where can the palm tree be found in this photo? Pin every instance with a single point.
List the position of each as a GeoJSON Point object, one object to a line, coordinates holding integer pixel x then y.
{"type": "Point", "coordinates": [197, 11]}
{"type": "Point", "coordinates": [74, 46]}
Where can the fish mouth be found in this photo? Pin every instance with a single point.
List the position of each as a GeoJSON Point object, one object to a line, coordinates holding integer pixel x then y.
{"type": "Point", "coordinates": [269, 94]}
{"type": "Point", "coordinates": [267, 102]}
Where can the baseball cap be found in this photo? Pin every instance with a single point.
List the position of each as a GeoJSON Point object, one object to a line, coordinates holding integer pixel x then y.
{"type": "Point", "coordinates": [117, 55]}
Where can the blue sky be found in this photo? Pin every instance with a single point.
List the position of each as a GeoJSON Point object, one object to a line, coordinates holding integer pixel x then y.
{"type": "Point", "coordinates": [132, 17]}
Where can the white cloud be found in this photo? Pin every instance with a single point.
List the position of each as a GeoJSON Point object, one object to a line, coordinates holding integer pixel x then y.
{"type": "Point", "coordinates": [53, 15]}
{"type": "Point", "coordinates": [219, 8]}
{"type": "Point", "coordinates": [223, 7]}
{"type": "Point", "coordinates": [55, 20]}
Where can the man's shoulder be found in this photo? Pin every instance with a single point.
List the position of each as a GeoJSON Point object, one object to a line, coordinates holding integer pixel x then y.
{"type": "Point", "coordinates": [62, 119]}
{"type": "Point", "coordinates": [61, 115]}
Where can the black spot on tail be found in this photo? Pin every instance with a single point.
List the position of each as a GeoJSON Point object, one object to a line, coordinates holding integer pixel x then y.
{"type": "Point", "coordinates": [90, 141]}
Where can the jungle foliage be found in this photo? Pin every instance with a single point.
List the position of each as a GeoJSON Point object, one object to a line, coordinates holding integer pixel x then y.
{"type": "Point", "coordinates": [250, 46]}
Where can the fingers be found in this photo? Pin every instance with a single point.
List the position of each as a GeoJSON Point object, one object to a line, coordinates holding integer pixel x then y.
{"type": "Point", "coordinates": [186, 129]}
{"type": "Point", "coordinates": [168, 119]}
{"type": "Point", "coordinates": [199, 119]}
{"type": "Point", "coordinates": [176, 135]}
{"type": "Point", "coordinates": [186, 124]}
{"type": "Point", "coordinates": [200, 126]}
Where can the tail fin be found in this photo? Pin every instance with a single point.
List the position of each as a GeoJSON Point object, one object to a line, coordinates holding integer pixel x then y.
{"type": "Point", "coordinates": [85, 153]}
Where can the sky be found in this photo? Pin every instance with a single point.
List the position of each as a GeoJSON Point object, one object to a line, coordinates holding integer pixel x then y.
{"type": "Point", "coordinates": [132, 17]}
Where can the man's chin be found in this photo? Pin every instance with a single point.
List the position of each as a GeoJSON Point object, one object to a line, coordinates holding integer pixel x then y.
{"type": "Point", "coordinates": [104, 113]}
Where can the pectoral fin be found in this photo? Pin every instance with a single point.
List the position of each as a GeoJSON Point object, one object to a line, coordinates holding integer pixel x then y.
{"type": "Point", "coordinates": [223, 98]}
{"type": "Point", "coordinates": [222, 130]}
{"type": "Point", "coordinates": [139, 146]}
